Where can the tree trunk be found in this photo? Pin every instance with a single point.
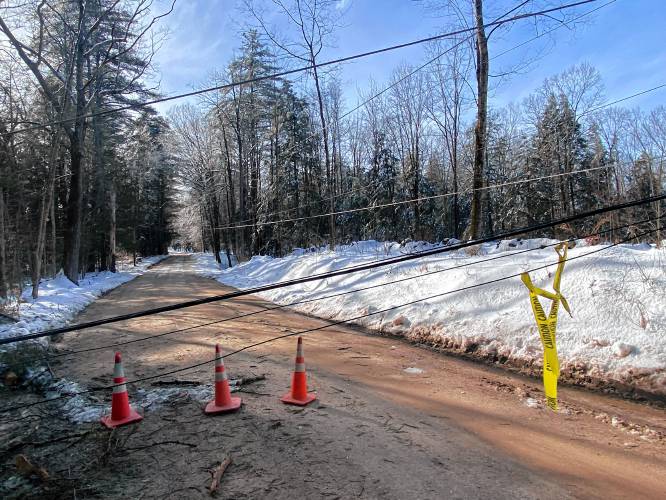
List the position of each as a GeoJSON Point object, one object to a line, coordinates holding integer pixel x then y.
{"type": "Point", "coordinates": [231, 197]}
{"type": "Point", "coordinates": [254, 194]}
{"type": "Point", "coordinates": [47, 201]}
{"type": "Point", "coordinates": [4, 287]}
{"type": "Point", "coordinates": [112, 228]}
{"type": "Point", "coordinates": [75, 199]}
{"type": "Point", "coordinates": [482, 68]}
{"type": "Point", "coordinates": [100, 197]}
{"type": "Point", "coordinates": [214, 218]}
{"type": "Point", "coordinates": [416, 160]}
{"type": "Point", "coordinates": [134, 228]}
{"type": "Point", "coordinates": [242, 187]}
{"type": "Point", "coordinates": [660, 203]}
{"type": "Point", "coordinates": [456, 209]}
{"type": "Point", "coordinates": [329, 176]}
{"type": "Point", "coordinates": [54, 239]}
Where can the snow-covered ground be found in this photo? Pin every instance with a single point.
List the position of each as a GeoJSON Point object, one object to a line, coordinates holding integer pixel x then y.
{"type": "Point", "coordinates": [60, 300]}
{"type": "Point", "coordinates": [617, 296]}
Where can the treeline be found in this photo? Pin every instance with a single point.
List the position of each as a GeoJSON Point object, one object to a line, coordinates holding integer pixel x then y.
{"type": "Point", "coordinates": [89, 185]}
{"type": "Point", "coordinates": [254, 154]}
{"type": "Point", "coordinates": [272, 164]}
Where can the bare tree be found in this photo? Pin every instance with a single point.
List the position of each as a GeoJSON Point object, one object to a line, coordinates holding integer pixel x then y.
{"type": "Point", "coordinates": [447, 104]}
{"type": "Point", "coordinates": [580, 84]}
{"type": "Point", "coordinates": [409, 101]}
{"type": "Point", "coordinates": [314, 21]}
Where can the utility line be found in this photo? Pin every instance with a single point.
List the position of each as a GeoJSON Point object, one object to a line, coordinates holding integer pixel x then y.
{"type": "Point", "coordinates": [347, 292]}
{"type": "Point", "coordinates": [310, 330]}
{"type": "Point", "coordinates": [409, 75]}
{"type": "Point", "coordinates": [611, 103]}
{"type": "Point", "coordinates": [421, 199]}
{"type": "Point", "coordinates": [417, 200]}
{"type": "Point", "coordinates": [301, 69]}
{"type": "Point", "coordinates": [331, 274]}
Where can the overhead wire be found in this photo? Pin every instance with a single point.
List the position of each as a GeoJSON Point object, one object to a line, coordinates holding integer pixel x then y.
{"type": "Point", "coordinates": [622, 99]}
{"type": "Point", "coordinates": [339, 294]}
{"type": "Point", "coordinates": [422, 198]}
{"type": "Point", "coordinates": [301, 69]}
{"type": "Point", "coordinates": [334, 273]}
{"type": "Point", "coordinates": [406, 77]}
{"type": "Point", "coordinates": [310, 330]}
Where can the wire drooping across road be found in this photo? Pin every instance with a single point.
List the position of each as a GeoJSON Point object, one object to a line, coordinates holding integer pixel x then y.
{"type": "Point", "coordinates": [339, 294]}
{"type": "Point", "coordinates": [330, 324]}
{"type": "Point", "coordinates": [339, 272]}
{"type": "Point", "coordinates": [424, 198]}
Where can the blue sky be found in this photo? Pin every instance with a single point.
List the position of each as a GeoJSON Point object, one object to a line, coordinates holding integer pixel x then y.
{"type": "Point", "coordinates": [625, 41]}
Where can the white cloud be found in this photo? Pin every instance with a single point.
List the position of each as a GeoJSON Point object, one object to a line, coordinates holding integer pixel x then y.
{"type": "Point", "coordinates": [342, 4]}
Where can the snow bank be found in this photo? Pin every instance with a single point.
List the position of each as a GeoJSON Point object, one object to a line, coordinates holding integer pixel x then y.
{"type": "Point", "coordinates": [60, 300]}
{"type": "Point", "coordinates": [204, 264]}
{"type": "Point", "coordinates": [618, 299]}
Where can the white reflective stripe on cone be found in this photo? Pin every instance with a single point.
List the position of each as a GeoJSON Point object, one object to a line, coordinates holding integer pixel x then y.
{"type": "Point", "coordinates": [220, 376]}
{"type": "Point", "coordinates": [118, 370]}
{"type": "Point", "coordinates": [119, 388]}
{"type": "Point", "coordinates": [300, 367]}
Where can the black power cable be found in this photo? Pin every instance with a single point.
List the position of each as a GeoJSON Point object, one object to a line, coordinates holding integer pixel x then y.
{"type": "Point", "coordinates": [331, 274]}
{"type": "Point", "coordinates": [421, 199]}
{"type": "Point", "coordinates": [339, 294]}
{"type": "Point", "coordinates": [300, 69]}
{"type": "Point", "coordinates": [310, 330]}
{"type": "Point", "coordinates": [409, 75]}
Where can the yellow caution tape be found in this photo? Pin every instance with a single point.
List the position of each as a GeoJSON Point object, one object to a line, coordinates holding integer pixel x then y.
{"type": "Point", "coordinates": [548, 324]}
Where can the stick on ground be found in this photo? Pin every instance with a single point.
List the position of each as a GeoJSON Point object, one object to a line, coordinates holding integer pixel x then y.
{"type": "Point", "coordinates": [217, 473]}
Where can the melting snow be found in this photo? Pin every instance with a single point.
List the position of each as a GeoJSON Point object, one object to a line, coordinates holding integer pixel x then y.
{"type": "Point", "coordinates": [617, 298]}
{"type": "Point", "coordinates": [60, 300]}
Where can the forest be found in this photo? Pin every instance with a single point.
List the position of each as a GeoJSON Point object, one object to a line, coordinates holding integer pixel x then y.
{"type": "Point", "coordinates": [90, 174]}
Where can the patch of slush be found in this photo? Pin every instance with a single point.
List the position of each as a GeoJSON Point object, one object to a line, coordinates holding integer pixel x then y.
{"type": "Point", "coordinates": [532, 403]}
{"type": "Point", "coordinates": [87, 407]}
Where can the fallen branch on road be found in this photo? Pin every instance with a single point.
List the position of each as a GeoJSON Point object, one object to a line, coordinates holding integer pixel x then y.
{"type": "Point", "coordinates": [181, 443]}
{"type": "Point", "coordinates": [217, 474]}
{"type": "Point", "coordinates": [247, 380]}
{"type": "Point", "coordinates": [160, 383]}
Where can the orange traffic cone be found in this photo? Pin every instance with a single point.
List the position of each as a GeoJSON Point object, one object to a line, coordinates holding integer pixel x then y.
{"type": "Point", "coordinates": [223, 402]}
{"type": "Point", "coordinates": [299, 394]}
{"type": "Point", "coordinates": [121, 411]}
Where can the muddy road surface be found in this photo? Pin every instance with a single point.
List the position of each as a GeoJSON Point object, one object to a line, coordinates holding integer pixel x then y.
{"type": "Point", "coordinates": [392, 420]}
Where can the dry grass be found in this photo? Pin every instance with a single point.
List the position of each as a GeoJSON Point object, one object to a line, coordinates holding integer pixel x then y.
{"type": "Point", "coordinates": [473, 251]}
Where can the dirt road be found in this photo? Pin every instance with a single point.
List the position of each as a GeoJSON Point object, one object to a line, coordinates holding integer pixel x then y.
{"type": "Point", "coordinates": [448, 429]}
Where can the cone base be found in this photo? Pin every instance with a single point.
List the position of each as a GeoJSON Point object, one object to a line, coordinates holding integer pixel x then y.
{"type": "Point", "coordinates": [131, 418]}
{"type": "Point", "coordinates": [213, 409]}
{"type": "Point", "coordinates": [290, 400]}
